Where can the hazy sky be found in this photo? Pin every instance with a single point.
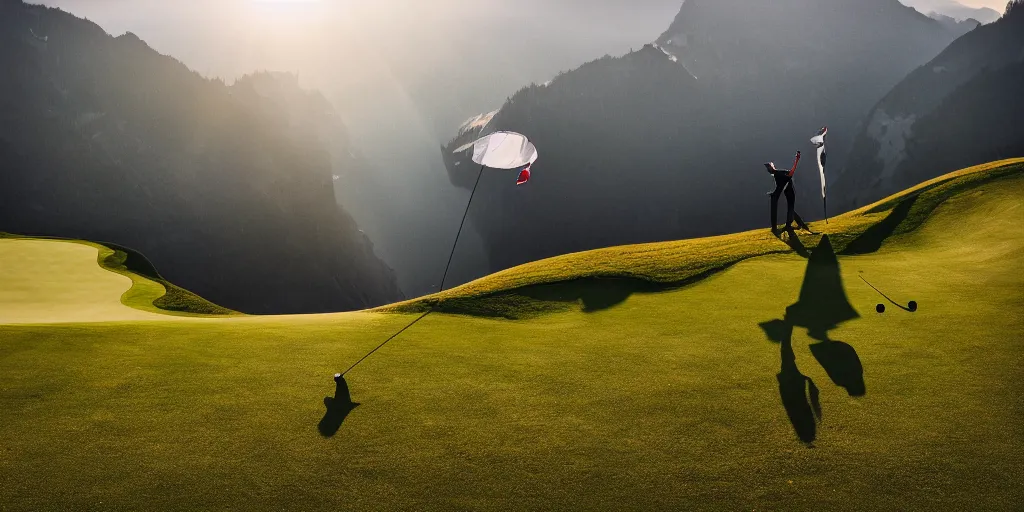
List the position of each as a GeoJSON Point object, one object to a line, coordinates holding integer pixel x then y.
{"type": "Point", "coordinates": [998, 5]}
{"type": "Point", "coordinates": [230, 37]}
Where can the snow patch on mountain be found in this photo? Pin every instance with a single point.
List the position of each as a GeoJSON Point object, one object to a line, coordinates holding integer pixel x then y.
{"type": "Point", "coordinates": [892, 134]}
{"type": "Point", "coordinates": [670, 56]}
{"type": "Point", "coordinates": [478, 122]}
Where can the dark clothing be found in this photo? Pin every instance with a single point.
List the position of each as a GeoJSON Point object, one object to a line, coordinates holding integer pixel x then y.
{"type": "Point", "coordinates": [782, 179]}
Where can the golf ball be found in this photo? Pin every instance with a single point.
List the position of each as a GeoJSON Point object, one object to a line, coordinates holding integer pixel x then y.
{"type": "Point", "coordinates": [880, 308]}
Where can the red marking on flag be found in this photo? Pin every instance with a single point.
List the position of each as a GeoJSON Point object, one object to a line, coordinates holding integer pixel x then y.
{"type": "Point", "coordinates": [524, 176]}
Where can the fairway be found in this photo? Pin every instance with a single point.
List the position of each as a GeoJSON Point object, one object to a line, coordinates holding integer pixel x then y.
{"type": "Point", "coordinates": [673, 399]}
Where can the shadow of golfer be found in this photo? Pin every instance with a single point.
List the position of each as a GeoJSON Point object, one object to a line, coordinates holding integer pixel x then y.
{"type": "Point", "coordinates": [842, 365]}
{"type": "Point", "coordinates": [793, 241]}
{"type": "Point", "coordinates": [822, 306]}
{"type": "Point", "coordinates": [799, 394]}
{"type": "Point", "coordinates": [338, 408]}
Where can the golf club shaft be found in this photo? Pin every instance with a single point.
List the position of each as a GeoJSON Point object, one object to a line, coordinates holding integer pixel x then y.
{"type": "Point", "coordinates": [444, 278]}
{"type": "Point", "coordinates": [393, 336]}
{"type": "Point", "coordinates": [451, 256]}
{"type": "Point", "coordinates": [894, 303]}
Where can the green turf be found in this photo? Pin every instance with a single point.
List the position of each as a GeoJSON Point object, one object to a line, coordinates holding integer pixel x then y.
{"type": "Point", "coordinates": [144, 295]}
{"type": "Point", "coordinates": [601, 278]}
{"type": "Point", "coordinates": [667, 400]}
{"type": "Point", "coordinates": [149, 291]}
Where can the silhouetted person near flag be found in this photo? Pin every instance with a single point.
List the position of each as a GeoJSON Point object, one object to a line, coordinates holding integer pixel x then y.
{"type": "Point", "coordinates": [784, 185]}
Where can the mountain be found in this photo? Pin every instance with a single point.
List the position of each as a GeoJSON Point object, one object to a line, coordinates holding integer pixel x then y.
{"type": "Point", "coordinates": [964, 106]}
{"type": "Point", "coordinates": [403, 74]}
{"type": "Point", "coordinates": [955, 26]}
{"type": "Point", "coordinates": [954, 9]}
{"type": "Point", "coordinates": [667, 142]}
{"type": "Point", "coordinates": [228, 190]}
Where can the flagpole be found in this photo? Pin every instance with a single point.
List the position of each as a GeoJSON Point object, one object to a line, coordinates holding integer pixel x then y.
{"type": "Point", "coordinates": [444, 278]}
{"type": "Point", "coordinates": [479, 175]}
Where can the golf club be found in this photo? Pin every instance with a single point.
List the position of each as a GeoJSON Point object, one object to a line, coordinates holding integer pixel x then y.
{"type": "Point", "coordinates": [911, 306]}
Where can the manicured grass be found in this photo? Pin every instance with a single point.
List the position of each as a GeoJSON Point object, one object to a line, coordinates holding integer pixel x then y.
{"type": "Point", "coordinates": [150, 291]}
{"type": "Point", "coordinates": [661, 400]}
{"type": "Point", "coordinates": [595, 279]}
{"type": "Point", "coordinates": [45, 281]}
{"type": "Point", "coordinates": [39, 272]}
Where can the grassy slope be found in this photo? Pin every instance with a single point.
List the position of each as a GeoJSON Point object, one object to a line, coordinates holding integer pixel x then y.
{"type": "Point", "coordinates": [563, 282]}
{"type": "Point", "coordinates": [668, 400]}
{"type": "Point", "coordinates": [149, 291]}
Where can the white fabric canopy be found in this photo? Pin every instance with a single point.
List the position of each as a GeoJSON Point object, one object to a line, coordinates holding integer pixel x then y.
{"type": "Point", "coordinates": [504, 150]}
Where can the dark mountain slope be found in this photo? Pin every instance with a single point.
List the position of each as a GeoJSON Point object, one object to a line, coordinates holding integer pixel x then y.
{"type": "Point", "coordinates": [576, 200]}
{"type": "Point", "coordinates": [957, 27]}
{"type": "Point", "coordinates": [636, 149]}
{"type": "Point", "coordinates": [963, 107]}
{"type": "Point", "coordinates": [225, 189]}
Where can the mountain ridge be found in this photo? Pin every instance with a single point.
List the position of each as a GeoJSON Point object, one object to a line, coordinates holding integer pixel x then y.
{"type": "Point", "coordinates": [682, 158]}
{"type": "Point", "coordinates": [960, 108]}
{"type": "Point", "coordinates": [105, 138]}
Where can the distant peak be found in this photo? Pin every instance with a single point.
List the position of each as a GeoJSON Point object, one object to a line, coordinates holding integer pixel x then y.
{"type": "Point", "coordinates": [131, 38]}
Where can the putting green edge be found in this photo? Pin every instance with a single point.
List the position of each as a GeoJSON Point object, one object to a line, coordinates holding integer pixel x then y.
{"type": "Point", "coordinates": [154, 295]}
{"type": "Point", "coordinates": [507, 294]}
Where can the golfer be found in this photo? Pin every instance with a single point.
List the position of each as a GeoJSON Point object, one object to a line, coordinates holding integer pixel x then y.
{"type": "Point", "coordinates": [784, 184]}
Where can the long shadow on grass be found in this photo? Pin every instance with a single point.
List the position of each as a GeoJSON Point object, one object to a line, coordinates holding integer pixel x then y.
{"type": "Point", "coordinates": [589, 294]}
{"type": "Point", "coordinates": [598, 293]}
{"type": "Point", "coordinates": [821, 307]}
{"type": "Point", "coordinates": [871, 240]}
{"type": "Point", "coordinates": [338, 408]}
{"type": "Point", "coordinates": [793, 241]}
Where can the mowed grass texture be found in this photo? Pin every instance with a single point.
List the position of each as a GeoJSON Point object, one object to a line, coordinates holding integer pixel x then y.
{"type": "Point", "coordinates": [667, 400]}
{"type": "Point", "coordinates": [47, 280]}
{"type": "Point", "coordinates": [44, 281]}
{"type": "Point", "coordinates": [601, 278]}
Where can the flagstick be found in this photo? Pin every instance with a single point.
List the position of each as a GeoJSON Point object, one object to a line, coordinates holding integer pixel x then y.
{"type": "Point", "coordinates": [444, 278]}
{"type": "Point", "coordinates": [463, 223]}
